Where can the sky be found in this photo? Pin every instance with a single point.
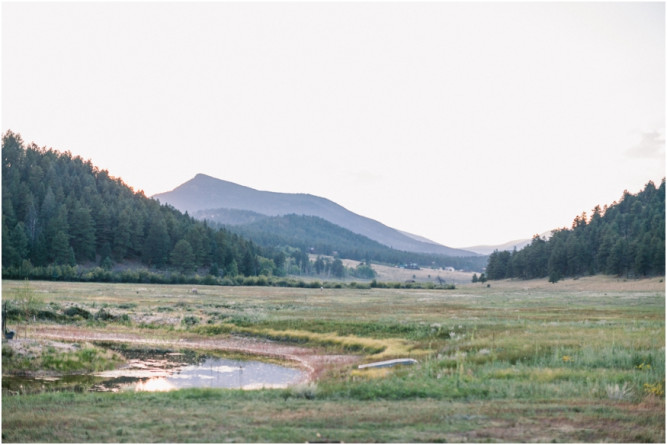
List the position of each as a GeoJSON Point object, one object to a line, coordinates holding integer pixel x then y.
{"type": "Point", "coordinates": [465, 123]}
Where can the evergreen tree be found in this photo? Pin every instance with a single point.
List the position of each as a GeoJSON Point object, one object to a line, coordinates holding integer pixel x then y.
{"type": "Point", "coordinates": [16, 248]}
{"type": "Point", "coordinates": [61, 251]}
{"type": "Point", "coordinates": [232, 269]}
{"type": "Point", "coordinates": [618, 260]}
{"type": "Point", "coordinates": [557, 266]}
{"type": "Point", "coordinates": [104, 235]}
{"type": "Point", "coordinates": [337, 268]}
{"type": "Point", "coordinates": [249, 265]}
{"type": "Point", "coordinates": [182, 257]}
{"type": "Point", "coordinates": [626, 238]}
{"type": "Point", "coordinates": [643, 256]}
{"type": "Point", "coordinates": [82, 234]}
{"type": "Point", "coordinates": [122, 236]}
{"type": "Point", "coordinates": [157, 245]}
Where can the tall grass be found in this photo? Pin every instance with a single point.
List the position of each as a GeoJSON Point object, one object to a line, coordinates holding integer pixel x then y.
{"type": "Point", "coordinates": [86, 358]}
{"type": "Point", "coordinates": [519, 359]}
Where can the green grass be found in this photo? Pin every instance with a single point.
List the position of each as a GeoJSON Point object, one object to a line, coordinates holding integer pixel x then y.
{"type": "Point", "coordinates": [85, 359]}
{"type": "Point", "coordinates": [539, 364]}
{"type": "Point", "coordinates": [275, 416]}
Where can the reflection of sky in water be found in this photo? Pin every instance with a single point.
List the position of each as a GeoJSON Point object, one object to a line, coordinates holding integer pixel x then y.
{"type": "Point", "coordinates": [163, 375]}
{"type": "Point", "coordinates": [223, 373]}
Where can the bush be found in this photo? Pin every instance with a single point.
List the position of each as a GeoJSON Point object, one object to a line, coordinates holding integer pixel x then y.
{"type": "Point", "coordinates": [48, 315]}
{"type": "Point", "coordinates": [190, 321]}
{"type": "Point", "coordinates": [104, 315]}
{"type": "Point", "coordinates": [73, 311]}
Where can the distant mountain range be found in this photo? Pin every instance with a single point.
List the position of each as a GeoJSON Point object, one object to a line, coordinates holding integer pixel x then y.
{"type": "Point", "coordinates": [224, 202]}
{"type": "Point", "coordinates": [510, 245]}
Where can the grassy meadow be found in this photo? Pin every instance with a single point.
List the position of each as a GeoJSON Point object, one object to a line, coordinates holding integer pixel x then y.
{"type": "Point", "coordinates": [576, 361]}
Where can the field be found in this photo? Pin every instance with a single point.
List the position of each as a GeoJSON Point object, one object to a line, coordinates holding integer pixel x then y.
{"type": "Point", "coordinates": [576, 361]}
{"type": "Point", "coordinates": [423, 275]}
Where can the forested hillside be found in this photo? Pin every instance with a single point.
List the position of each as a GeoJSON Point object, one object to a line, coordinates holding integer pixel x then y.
{"type": "Point", "coordinates": [212, 197]}
{"type": "Point", "coordinates": [59, 211]}
{"type": "Point", "coordinates": [318, 236]}
{"type": "Point", "coordinates": [624, 239]}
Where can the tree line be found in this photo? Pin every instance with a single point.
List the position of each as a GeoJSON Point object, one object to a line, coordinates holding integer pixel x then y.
{"type": "Point", "coordinates": [65, 219]}
{"type": "Point", "coordinates": [60, 211]}
{"type": "Point", "coordinates": [624, 239]}
{"type": "Point", "coordinates": [321, 237]}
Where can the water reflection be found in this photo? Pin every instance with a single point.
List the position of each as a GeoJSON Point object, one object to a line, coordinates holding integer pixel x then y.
{"type": "Point", "coordinates": [154, 384]}
{"type": "Point", "coordinates": [222, 373]}
{"type": "Point", "coordinates": [160, 373]}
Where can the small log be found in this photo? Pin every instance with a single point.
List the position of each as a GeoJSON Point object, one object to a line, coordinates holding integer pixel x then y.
{"type": "Point", "coordinates": [389, 363]}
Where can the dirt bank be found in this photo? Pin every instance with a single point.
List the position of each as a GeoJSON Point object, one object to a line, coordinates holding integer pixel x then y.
{"type": "Point", "coordinates": [311, 360]}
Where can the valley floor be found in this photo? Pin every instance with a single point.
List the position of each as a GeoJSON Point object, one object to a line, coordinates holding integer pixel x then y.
{"type": "Point", "coordinates": [519, 361]}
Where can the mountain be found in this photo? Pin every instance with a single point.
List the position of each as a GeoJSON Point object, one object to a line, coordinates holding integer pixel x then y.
{"type": "Point", "coordinates": [229, 217]}
{"type": "Point", "coordinates": [318, 236]}
{"type": "Point", "coordinates": [208, 194]}
{"type": "Point", "coordinates": [310, 234]}
{"type": "Point", "coordinates": [510, 245]}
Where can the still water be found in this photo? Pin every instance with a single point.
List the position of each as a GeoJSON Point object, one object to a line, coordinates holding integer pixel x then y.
{"type": "Point", "coordinates": [167, 372]}
{"type": "Point", "coordinates": [211, 373]}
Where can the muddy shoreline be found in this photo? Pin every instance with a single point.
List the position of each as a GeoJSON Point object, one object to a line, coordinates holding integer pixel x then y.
{"type": "Point", "coordinates": [313, 361]}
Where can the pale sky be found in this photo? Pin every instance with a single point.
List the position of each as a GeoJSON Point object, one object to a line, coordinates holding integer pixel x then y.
{"type": "Point", "coordinates": [466, 123]}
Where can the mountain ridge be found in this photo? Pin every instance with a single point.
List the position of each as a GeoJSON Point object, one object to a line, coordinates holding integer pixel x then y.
{"type": "Point", "coordinates": [318, 236]}
{"type": "Point", "coordinates": [204, 192]}
{"type": "Point", "coordinates": [488, 249]}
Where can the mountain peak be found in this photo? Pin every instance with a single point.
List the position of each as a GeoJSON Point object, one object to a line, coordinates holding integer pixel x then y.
{"type": "Point", "coordinates": [205, 192]}
{"type": "Point", "coordinates": [202, 177]}
{"type": "Point", "coordinates": [207, 179]}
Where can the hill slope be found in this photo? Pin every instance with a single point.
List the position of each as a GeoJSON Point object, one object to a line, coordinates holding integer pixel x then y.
{"type": "Point", "coordinates": [626, 238]}
{"type": "Point", "coordinates": [207, 193]}
{"type": "Point", "coordinates": [316, 235]}
{"type": "Point", "coordinates": [59, 211]}
{"type": "Point", "coordinates": [510, 245]}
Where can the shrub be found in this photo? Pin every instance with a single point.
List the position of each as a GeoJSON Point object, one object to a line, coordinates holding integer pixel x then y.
{"type": "Point", "coordinates": [104, 315]}
{"type": "Point", "coordinates": [73, 311]}
{"type": "Point", "coordinates": [190, 321]}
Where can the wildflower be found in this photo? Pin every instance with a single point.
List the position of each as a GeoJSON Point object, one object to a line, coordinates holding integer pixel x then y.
{"type": "Point", "coordinates": [655, 389]}
{"type": "Point", "coordinates": [567, 358]}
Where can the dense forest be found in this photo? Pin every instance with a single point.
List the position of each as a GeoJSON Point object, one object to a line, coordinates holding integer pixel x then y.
{"type": "Point", "coordinates": [318, 236]}
{"type": "Point", "coordinates": [624, 239]}
{"type": "Point", "coordinates": [60, 212]}
{"type": "Point", "coordinates": [65, 219]}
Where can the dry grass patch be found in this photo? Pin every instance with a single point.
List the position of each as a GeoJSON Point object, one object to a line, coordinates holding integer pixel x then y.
{"type": "Point", "coordinates": [375, 348]}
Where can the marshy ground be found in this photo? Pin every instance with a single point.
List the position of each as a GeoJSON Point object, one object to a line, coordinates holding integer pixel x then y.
{"type": "Point", "coordinates": [576, 361]}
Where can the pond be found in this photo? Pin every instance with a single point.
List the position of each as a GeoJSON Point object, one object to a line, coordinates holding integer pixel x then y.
{"type": "Point", "coordinates": [166, 372]}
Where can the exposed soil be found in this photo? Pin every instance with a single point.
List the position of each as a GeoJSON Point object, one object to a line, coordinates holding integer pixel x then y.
{"type": "Point", "coordinates": [313, 361]}
{"type": "Point", "coordinates": [34, 347]}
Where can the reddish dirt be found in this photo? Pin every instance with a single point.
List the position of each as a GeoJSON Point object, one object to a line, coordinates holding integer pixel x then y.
{"type": "Point", "coordinates": [314, 362]}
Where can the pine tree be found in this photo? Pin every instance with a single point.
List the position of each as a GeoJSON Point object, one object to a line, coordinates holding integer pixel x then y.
{"type": "Point", "coordinates": [182, 257]}
{"type": "Point", "coordinates": [82, 234]}
{"type": "Point", "coordinates": [156, 248]}
{"type": "Point", "coordinates": [61, 252]}
{"type": "Point", "coordinates": [626, 238]}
